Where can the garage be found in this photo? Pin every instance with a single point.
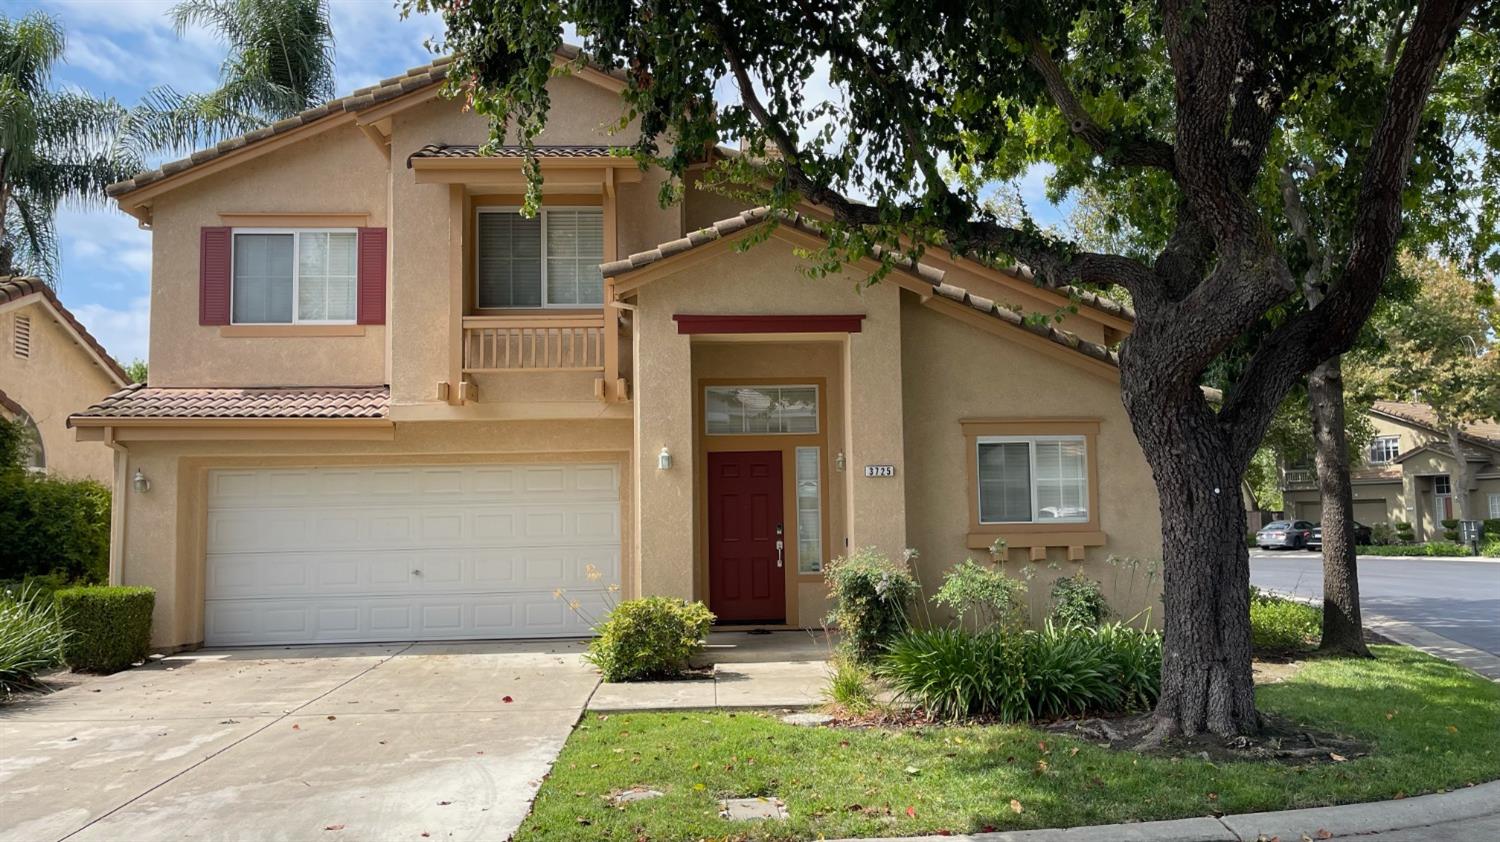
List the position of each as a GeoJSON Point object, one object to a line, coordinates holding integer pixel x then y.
{"type": "Point", "coordinates": [438, 552]}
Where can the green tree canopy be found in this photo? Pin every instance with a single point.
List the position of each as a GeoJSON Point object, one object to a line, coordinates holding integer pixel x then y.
{"type": "Point", "coordinates": [55, 146]}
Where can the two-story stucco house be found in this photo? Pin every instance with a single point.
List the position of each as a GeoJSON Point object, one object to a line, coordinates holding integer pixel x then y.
{"type": "Point", "coordinates": [1408, 473]}
{"type": "Point", "coordinates": [50, 365]}
{"type": "Point", "coordinates": [384, 405]}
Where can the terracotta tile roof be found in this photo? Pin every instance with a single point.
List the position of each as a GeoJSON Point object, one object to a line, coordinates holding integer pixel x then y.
{"type": "Point", "coordinates": [1485, 432]}
{"type": "Point", "coordinates": [443, 150]}
{"type": "Point", "coordinates": [382, 91]}
{"type": "Point", "coordinates": [141, 401]}
{"type": "Point", "coordinates": [16, 287]}
{"type": "Point", "coordinates": [922, 271]}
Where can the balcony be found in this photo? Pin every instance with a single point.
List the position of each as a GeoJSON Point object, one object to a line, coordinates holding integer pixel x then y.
{"type": "Point", "coordinates": [534, 343]}
{"type": "Point", "coordinates": [1299, 479]}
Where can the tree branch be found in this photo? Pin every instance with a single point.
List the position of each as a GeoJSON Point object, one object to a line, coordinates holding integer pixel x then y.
{"type": "Point", "coordinates": [1116, 150]}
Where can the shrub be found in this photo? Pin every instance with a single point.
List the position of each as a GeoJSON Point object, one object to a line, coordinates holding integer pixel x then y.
{"type": "Point", "coordinates": [1280, 626]}
{"type": "Point", "coordinates": [1434, 548]}
{"type": "Point", "coordinates": [1492, 527]}
{"type": "Point", "coordinates": [52, 526]}
{"type": "Point", "coordinates": [1078, 601]}
{"type": "Point", "coordinates": [107, 628]}
{"type": "Point", "coordinates": [1404, 532]}
{"type": "Point", "coordinates": [871, 595]}
{"type": "Point", "coordinates": [984, 593]}
{"type": "Point", "coordinates": [1013, 677]}
{"type": "Point", "coordinates": [649, 638]}
{"type": "Point", "coordinates": [851, 688]}
{"type": "Point", "coordinates": [1450, 528]}
{"type": "Point", "coordinates": [1383, 533]}
{"type": "Point", "coordinates": [30, 638]}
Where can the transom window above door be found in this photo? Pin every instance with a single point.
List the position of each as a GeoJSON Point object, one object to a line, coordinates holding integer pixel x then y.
{"type": "Point", "coordinates": [551, 260]}
{"type": "Point", "coordinates": [761, 410]}
{"type": "Point", "coordinates": [294, 276]}
{"type": "Point", "coordinates": [1033, 479]}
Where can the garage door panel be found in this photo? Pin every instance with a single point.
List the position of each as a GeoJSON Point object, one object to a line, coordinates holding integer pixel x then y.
{"type": "Point", "coordinates": [362, 619]}
{"type": "Point", "coordinates": [409, 552]}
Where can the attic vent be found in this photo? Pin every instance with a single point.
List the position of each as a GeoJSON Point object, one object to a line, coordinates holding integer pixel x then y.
{"type": "Point", "coordinates": [23, 336]}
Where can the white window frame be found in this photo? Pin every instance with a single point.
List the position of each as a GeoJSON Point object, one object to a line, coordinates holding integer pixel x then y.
{"type": "Point", "coordinates": [296, 272]}
{"type": "Point", "coordinates": [814, 565]}
{"type": "Point", "coordinates": [817, 407]}
{"type": "Point", "coordinates": [1378, 440]}
{"type": "Point", "coordinates": [541, 214]}
{"type": "Point", "coordinates": [1032, 442]}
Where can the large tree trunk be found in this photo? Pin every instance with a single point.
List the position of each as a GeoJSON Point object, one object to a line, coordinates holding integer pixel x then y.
{"type": "Point", "coordinates": [1206, 678]}
{"type": "Point", "coordinates": [1459, 482]}
{"type": "Point", "coordinates": [1343, 633]}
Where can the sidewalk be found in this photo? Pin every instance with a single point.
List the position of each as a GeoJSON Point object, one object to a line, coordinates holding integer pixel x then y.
{"type": "Point", "coordinates": [780, 669]}
{"type": "Point", "coordinates": [1466, 815]}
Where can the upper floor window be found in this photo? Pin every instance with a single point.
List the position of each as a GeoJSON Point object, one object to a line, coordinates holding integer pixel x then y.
{"type": "Point", "coordinates": [1032, 479]}
{"type": "Point", "coordinates": [295, 276]}
{"type": "Point", "coordinates": [551, 260]}
{"type": "Point", "coordinates": [1384, 450]}
{"type": "Point", "coordinates": [1442, 486]}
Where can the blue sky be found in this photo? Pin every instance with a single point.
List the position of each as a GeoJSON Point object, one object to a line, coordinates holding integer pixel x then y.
{"type": "Point", "coordinates": [122, 48]}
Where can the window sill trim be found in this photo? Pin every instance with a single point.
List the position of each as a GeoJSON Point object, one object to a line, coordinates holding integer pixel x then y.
{"type": "Point", "coordinates": [291, 330]}
{"type": "Point", "coordinates": [1085, 537]}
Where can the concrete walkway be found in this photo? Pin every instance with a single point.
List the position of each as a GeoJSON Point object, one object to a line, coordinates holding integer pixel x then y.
{"type": "Point", "coordinates": [779, 669]}
{"type": "Point", "coordinates": [405, 741]}
{"type": "Point", "coordinates": [1466, 815]}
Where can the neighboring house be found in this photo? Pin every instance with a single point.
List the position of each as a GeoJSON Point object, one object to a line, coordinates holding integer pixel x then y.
{"type": "Point", "coordinates": [50, 366]}
{"type": "Point", "coordinates": [1407, 473]}
{"type": "Point", "coordinates": [386, 406]}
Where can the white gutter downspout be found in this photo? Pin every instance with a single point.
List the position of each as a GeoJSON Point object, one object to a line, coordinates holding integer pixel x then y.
{"type": "Point", "coordinates": [117, 508]}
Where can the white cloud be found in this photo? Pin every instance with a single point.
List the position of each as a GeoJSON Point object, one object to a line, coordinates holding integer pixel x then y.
{"type": "Point", "coordinates": [124, 333]}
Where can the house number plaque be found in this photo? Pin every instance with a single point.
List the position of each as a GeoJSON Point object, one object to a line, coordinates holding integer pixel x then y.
{"type": "Point", "coordinates": [880, 470]}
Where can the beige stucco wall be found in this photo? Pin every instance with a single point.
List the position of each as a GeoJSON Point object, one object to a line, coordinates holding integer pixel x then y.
{"type": "Point", "coordinates": [956, 372]}
{"type": "Point", "coordinates": [338, 171]}
{"type": "Point", "coordinates": [164, 542]}
{"type": "Point", "coordinates": [766, 279]}
{"type": "Point", "coordinates": [58, 379]}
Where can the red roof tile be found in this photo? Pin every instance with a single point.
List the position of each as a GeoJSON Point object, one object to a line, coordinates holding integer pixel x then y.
{"type": "Point", "coordinates": [140, 401]}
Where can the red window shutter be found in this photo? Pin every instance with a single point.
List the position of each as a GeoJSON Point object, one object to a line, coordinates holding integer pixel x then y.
{"type": "Point", "coordinates": [213, 277]}
{"type": "Point", "coordinates": [372, 276]}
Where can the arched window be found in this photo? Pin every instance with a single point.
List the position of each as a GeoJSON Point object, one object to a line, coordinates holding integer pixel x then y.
{"type": "Point", "coordinates": [36, 457]}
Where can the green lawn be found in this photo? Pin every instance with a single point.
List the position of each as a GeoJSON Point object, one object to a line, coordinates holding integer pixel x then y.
{"type": "Point", "coordinates": [1432, 726]}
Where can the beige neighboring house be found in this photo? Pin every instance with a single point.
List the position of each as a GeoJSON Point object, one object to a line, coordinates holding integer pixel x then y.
{"type": "Point", "coordinates": [50, 366]}
{"type": "Point", "coordinates": [1408, 470]}
{"type": "Point", "coordinates": [386, 406]}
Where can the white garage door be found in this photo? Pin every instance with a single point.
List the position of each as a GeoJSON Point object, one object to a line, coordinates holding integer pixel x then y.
{"type": "Point", "coordinates": [315, 555]}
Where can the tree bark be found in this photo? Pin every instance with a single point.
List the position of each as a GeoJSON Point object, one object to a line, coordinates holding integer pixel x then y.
{"type": "Point", "coordinates": [1459, 482]}
{"type": "Point", "coordinates": [1206, 679]}
{"type": "Point", "coordinates": [1343, 632]}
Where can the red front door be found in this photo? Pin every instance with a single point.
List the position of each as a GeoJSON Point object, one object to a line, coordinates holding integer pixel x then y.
{"type": "Point", "coordinates": [746, 577]}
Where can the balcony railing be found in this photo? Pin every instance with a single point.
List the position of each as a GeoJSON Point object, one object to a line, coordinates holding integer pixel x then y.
{"type": "Point", "coordinates": [1299, 479]}
{"type": "Point", "coordinates": [533, 343]}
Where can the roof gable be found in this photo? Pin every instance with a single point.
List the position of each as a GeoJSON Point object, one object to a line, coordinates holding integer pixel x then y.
{"type": "Point", "coordinates": [17, 291]}
{"type": "Point", "coordinates": [1485, 433]}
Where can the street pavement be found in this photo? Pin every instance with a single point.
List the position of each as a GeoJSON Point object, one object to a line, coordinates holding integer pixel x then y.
{"type": "Point", "coordinates": [1457, 599]}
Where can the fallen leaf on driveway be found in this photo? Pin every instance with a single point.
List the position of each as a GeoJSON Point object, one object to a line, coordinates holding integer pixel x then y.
{"type": "Point", "coordinates": [506, 699]}
{"type": "Point", "coordinates": [1323, 834]}
{"type": "Point", "coordinates": [331, 717]}
{"type": "Point", "coordinates": [334, 827]}
{"type": "Point", "coordinates": [444, 803]}
{"type": "Point", "coordinates": [1015, 806]}
{"type": "Point", "coordinates": [296, 727]}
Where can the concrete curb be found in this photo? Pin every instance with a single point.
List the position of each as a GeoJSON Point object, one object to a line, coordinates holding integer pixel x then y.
{"type": "Point", "coordinates": [1349, 820]}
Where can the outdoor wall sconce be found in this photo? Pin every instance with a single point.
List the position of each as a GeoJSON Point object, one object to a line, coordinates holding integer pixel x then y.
{"type": "Point", "coordinates": [142, 485]}
{"type": "Point", "coordinates": [838, 461]}
{"type": "Point", "coordinates": [664, 459]}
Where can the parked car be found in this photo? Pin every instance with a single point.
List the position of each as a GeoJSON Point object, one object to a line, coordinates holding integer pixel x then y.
{"type": "Point", "coordinates": [1285, 535]}
{"type": "Point", "coordinates": [1362, 536]}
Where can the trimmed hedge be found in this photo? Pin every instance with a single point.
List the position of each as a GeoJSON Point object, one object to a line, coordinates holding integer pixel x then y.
{"type": "Point", "coordinates": [1431, 548]}
{"type": "Point", "coordinates": [108, 628]}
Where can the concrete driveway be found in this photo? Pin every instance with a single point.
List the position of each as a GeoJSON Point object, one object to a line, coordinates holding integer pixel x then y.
{"type": "Point", "coordinates": [377, 742]}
